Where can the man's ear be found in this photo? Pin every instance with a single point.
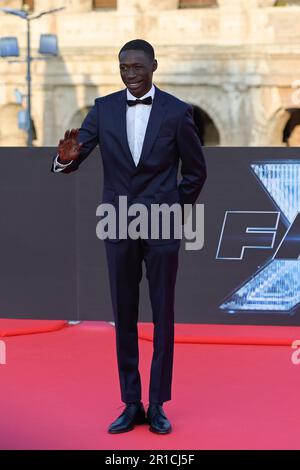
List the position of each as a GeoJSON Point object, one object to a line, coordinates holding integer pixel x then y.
{"type": "Point", "coordinates": [155, 65]}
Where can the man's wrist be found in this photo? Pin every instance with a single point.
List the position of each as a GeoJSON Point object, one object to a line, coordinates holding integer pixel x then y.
{"type": "Point", "coordinates": [63, 162]}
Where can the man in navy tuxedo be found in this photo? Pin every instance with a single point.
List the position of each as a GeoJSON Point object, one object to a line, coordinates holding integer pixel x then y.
{"type": "Point", "coordinates": [143, 133]}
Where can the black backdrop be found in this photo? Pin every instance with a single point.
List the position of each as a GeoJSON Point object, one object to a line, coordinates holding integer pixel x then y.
{"type": "Point", "coordinates": [54, 267]}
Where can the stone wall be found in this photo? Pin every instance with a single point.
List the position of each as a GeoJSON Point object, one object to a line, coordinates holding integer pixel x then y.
{"type": "Point", "coordinates": [237, 63]}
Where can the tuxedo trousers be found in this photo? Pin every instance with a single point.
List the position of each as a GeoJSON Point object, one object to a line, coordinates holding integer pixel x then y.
{"type": "Point", "coordinates": [124, 260]}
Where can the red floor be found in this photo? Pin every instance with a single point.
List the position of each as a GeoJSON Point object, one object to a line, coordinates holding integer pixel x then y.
{"type": "Point", "coordinates": [60, 390]}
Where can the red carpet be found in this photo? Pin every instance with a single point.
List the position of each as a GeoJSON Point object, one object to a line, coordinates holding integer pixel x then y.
{"type": "Point", "coordinates": [60, 390]}
{"type": "Point", "coordinates": [10, 327]}
{"type": "Point", "coordinates": [228, 334]}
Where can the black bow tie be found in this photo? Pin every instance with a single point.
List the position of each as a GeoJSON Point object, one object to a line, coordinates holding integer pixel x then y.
{"type": "Point", "coordinates": [147, 100]}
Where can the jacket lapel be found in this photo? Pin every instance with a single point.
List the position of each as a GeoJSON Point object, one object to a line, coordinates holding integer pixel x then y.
{"type": "Point", "coordinates": [120, 124]}
{"type": "Point", "coordinates": [155, 121]}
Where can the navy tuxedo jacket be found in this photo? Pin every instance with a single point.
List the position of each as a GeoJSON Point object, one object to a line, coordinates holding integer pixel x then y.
{"type": "Point", "coordinates": [171, 136]}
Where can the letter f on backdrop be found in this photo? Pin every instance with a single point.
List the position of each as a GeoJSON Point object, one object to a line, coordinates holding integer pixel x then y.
{"type": "Point", "coordinates": [276, 286]}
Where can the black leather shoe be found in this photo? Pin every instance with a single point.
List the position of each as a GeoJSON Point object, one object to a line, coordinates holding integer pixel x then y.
{"type": "Point", "coordinates": [157, 419]}
{"type": "Point", "coordinates": [134, 413]}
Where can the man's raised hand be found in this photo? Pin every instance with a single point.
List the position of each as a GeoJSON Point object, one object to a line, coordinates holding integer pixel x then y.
{"type": "Point", "coordinates": [68, 148]}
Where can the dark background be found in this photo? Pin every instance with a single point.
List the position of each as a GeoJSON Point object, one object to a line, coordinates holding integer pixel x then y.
{"type": "Point", "coordinates": [52, 265]}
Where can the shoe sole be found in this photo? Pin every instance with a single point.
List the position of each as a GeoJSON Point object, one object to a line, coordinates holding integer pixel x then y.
{"type": "Point", "coordinates": [156, 431]}
{"type": "Point", "coordinates": [138, 423]}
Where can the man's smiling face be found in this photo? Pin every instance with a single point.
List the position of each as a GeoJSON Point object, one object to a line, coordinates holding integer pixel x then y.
{"type": "Point", "coordinates": [136, 69]}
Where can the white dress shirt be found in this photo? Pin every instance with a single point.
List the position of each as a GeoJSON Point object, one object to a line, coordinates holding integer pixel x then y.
{"type": "Point", "coordinates": [137, 118]}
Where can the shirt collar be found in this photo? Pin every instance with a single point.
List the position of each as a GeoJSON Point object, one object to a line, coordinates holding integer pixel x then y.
{"type": "Point", "coordinates": [151, 93]}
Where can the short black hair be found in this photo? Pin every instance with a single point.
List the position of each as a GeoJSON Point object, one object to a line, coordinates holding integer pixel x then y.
{"type": "Point", "coordinates": [138, 45]}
